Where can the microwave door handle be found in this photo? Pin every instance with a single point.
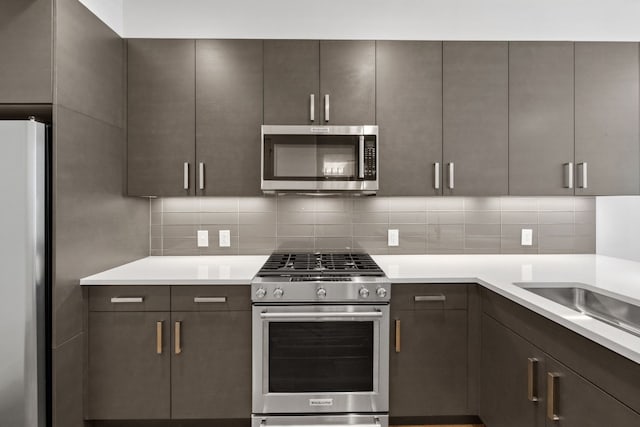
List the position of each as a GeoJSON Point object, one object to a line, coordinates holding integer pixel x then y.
{"type": "Point", "coordinates": [361, 158]}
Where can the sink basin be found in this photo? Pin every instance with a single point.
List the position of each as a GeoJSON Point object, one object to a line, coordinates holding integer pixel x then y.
{"type": "Point", "coordinates": [609, 309]}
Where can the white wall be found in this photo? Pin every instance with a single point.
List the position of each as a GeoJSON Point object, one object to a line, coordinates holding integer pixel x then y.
{"type": "Point", "coordinates": [618, 227]}
{"type": "Point", "coordinates": [109, 11]}
{"type": "Point", "coordinates": [384, 19]}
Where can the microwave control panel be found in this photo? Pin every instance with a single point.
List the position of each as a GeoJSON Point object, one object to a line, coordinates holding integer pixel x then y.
{"type": "Point", "coordinates": [370, 159]}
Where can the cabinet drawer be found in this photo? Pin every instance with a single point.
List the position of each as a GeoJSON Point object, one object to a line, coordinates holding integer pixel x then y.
{"type": "Point", "coordinates": [129, 298]}
{"type": "Point", "coordinates": [211, 298]}
{"type": "Point", "coordinates": [429, 296]}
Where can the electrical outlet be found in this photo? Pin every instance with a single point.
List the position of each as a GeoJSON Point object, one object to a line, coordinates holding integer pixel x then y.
{"type": "Point", "coordinates": [394, 237]}
{"type": "Point", "coordinates": [526, 238]}
{"type": "Point", "coordinates": [224, 238]}
{"type": "Point", "coordinates": [203, 238]}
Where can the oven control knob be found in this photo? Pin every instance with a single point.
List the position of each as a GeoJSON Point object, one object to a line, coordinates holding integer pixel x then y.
{"type": "Point", "coordinates": [278, 292]}
{"type": "Point", "coordinates": [260, 293]}
{"type": "Point", "coordinates": [321, 292]}
{"type": "Point", "coordinates": [381, 292]}
{"type": "Point", "coordinates": [364, 292]}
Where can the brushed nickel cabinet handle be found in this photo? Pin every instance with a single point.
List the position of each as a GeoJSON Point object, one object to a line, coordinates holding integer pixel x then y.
{"type": "Point", "coordinates": [430, 298]}
{"type": "Point", "coordinates": [568, 175]}
{"type": "Point", "coordinates": [205, 300]}
{"type": "Point", "coordinates": [201, 175]}
{"type": "Point", "coordinates": [451, 176]}
{"type": "Point", "coordinates": [126, 300]}
{"type": "Point", "coordinates": [582, 175]}
{"type": "Point", "coordinates": [532, 374]}
{"type": "Point", "coordinates": [397, 335]}
{"type": "Point", "coordinates": [327, 108]}
{"type": "Point", "coordinates": [436, 175]}
{"type": "Point", "coordinates": [159, 337]}
{"type": "Point", "coordinates": [185, 175]}
{"type": "Point", "coordinates": [178, 337]}
{"type": "Point", "coordinates": [312, 107]}
{"type": "Point", "coordinates": [552, 396]}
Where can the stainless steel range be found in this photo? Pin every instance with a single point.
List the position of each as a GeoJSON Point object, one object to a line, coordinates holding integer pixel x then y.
{"type": "Point", "coordinates": [320, 341]}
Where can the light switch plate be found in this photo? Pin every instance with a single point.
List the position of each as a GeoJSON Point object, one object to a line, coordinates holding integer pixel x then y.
{"type": "Point", "coordinates": [224, 238]}
{"type": "Point", "coordinates": [203, 238]}
{"type": "Point", "coordinates": [527, 237]}
{"type": "Point", "coordinates": [394, 237]}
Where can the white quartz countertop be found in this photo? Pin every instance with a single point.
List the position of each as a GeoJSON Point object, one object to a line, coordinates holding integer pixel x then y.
{"type": "Point", "coordinates": [182, 270]}
{"type": "Point", "coordinates": [497, 273]}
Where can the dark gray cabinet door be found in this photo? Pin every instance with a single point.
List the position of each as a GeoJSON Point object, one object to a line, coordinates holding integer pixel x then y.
{"type": "Point", "coordinates": [606, 103]}
{"type": "Point", "coordinates": [211, 377]}
{"type": "Point", "coordinates": [504, 378]}
{"type": "Point", "coordinates": [228, 117]}
{"type": "Point", "coordinates": [409, 114]}
{"type": "Point", "coordinates": [129, 366]}
{"type": "Point", "coordinates": [291, 77]}
{"type": "Point", "coordinates": [429, 374]}
{"type": "Point", "coordinates": [475, 118]}
{"type": "Point", "coordinates": [540, 118]}
{"type": "Point", "coordinates": [579, 403]}
{"type": "Point", "coordinates": [348, 76]}
{"type": "Point", "coordinates": [161, 117]}
{"type": "Point", "coordinates": [26, 40]}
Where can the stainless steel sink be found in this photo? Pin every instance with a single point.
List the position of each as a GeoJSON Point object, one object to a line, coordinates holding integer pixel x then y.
{"type": "Point", "coordinates": [609, 309]}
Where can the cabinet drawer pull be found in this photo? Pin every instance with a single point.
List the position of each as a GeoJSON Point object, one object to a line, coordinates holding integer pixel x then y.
{"type": "Point", "coordinates": [312, 107]}
{"type": "Point", "coordinates": [178, 337]}
{"type": "Point", "coordinates": [532, 374]}
{"type": "Point", "coordinates": [568, 175]}
{"type": "Point", "coordinates": [205, 300]}
{"type": "Point", "coordinates": [582, 175]}
{"type": "Point", "coordinates": [397, 335]}
{"type": "Point", "coordinates": [126, 300]}
{"type": "Point", "coordinates": [451, 176]}
{"type": "Point", "coordinates": [326, 108]}
{"type": "Point", "coordinates": [185, 175]}
{"type": "Point", "coordinates": [201, 175]}
{"type": "Point", "coordinates": [552, 396]}
{"type": "Point", "coordinates": [159, 337]}
{"type": "Point", "coordinates": [430, 298]}
{"type": "Point", "coordinates": [436, 175]}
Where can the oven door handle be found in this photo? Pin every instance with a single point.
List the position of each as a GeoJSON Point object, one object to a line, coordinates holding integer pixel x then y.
{"type": "Point", "coordinates": [376, 423]}
{"type": "Point", "coordinates": [322, 315]}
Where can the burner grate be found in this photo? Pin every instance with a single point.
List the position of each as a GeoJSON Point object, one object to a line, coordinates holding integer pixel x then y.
{"type": "Point", "coordinates": [320, 263]}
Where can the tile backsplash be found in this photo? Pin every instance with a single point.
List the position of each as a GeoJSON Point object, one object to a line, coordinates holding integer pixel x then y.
{"type": "Point", "coordinates": [434, 225]}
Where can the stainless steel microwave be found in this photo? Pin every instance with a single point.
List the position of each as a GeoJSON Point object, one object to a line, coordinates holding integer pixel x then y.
{"type": "Point", "coordinates": [320, 159]}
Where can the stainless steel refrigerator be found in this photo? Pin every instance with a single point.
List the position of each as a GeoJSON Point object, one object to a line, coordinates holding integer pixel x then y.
{"type": "Point", "coordinates": [24, 273]}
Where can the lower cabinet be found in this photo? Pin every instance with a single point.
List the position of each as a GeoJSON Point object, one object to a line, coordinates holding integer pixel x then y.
{"type": "Point", "coordinates": [192, 361]}
{"type": "Point", "coordinates": [428, 370]}
{"type": "Point", "coordinates": [211, 368]}
{"type": "Point", "coordinates": [524, 386]}
{"type": "Point", "coordinates": [129, 365]}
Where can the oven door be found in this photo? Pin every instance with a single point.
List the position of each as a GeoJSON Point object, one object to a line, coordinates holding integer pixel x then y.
{"type": "Point", "coordinates": [320, 359]}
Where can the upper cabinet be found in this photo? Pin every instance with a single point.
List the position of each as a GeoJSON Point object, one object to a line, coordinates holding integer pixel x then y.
{"type": "Point", "coordinates": [26, 34]}
{"type": "Point", "coordinates": [161, 117]}
{"type": "Point", "coordinates": [606, 102]}
{"type": "Point", "coordinates": [475, 118]}
{"type": "Point", "coordinates": [541, 118]}
{"type": "Point", "coordinates": [409, 113]}
{"type": "Point", "coordinates": [194, 129]}
{"type": "Point", "coordinates": [327, 82]}
{"type": "Point", "coordinates": [228, 117]}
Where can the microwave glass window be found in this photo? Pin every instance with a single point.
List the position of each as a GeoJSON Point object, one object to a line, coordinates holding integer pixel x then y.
{"type": "Point", "coordinates": [307, 357]}
{"type": "Point", "coordinates": [311, 157]}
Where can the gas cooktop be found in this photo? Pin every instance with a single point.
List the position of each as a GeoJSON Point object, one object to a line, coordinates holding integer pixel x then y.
{"type": "Point", "coordinates": [300, 264]}
{"type": "Point", "coordinates": [319, 278]}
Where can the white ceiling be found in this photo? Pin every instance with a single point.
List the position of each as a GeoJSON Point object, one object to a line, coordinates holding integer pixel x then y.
{"type": "Point", "coordinates": [374, 19]}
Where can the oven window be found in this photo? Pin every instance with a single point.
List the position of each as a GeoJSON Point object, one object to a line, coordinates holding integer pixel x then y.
{"type": "Point", "coordinates": [320, 357]}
